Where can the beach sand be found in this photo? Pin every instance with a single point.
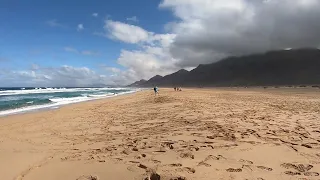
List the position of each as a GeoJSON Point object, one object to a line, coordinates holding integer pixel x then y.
{"type": "Point", "coordinates": [194, 134]}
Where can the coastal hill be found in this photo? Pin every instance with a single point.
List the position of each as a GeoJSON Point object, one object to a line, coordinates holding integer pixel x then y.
{"type": "Point", "coordinates": [285, 67]}
{"type": "Point", "coordinates": [138, 83]}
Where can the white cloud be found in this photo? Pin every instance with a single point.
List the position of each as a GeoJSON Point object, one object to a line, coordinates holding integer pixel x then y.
{"type": "Point", "coordinates": [95, 14]}
{"type": "Point", "coordinates": [54, 23]}
{"type": "Point", "coordinates": [80, 27]}
{"type": "Point", "coordinates": [152, 57]}
{"type": "Point", "coordinates": [133, 19]}
{"type": "Point", "coordinates": [34, 67]}
{"type": "Point", "coordinates": [111, 69]}
{"type": "Point", "coordinates": [56, 76]}
{"type": "Point", "coordinates": [208, 30]}
{"type": "Point", "coordinates": [147, 62]}
{"type": "Point", "coordinates": [126, 32]}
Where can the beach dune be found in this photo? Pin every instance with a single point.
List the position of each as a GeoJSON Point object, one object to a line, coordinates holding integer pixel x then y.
{"type": "Point", "coordinates": [193, 134]}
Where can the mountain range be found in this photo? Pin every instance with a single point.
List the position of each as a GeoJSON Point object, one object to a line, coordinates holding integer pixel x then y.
{"type": "Point", "coordinates": [283, 67]}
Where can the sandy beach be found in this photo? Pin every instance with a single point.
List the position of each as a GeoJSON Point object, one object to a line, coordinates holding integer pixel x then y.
{"type": "Point", "coordinates": [195, 134]}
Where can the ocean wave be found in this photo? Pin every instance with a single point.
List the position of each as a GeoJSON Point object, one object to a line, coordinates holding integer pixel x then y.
{"type": "Point", "coordinates": [22, 103]}
{"type": "Point", "coordinates": [84, 97]}
{"type": "Point", "coordinates": [54, 90]}
{"type": "Point", "coordinates": [69, 100]}
{"type": "Point", "coordinates": [101, 95]}
{"type": "Point", "coordinates": [18, 103]}
{"type": "Point", "coordinates": [37, 91]}
{"type": "Point", "coordinates": [26, 109]}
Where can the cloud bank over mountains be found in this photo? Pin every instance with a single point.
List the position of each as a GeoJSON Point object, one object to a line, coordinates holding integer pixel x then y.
{"type": "Point", "coordinates": [204, 31]}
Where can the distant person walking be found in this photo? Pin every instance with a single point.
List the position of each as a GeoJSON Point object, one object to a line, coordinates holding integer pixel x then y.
{"type": "Point", "coordinates": [155, 90]}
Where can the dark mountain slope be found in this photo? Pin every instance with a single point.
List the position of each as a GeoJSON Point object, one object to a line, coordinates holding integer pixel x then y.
{"type": "Point", "coordinates": [137, 83]}
{"type": "Point", "coordinates": [173, 79]}
{"type": "Point", "coordinates": [152, 81]}
{"type": "Point", "coordinates": [286, 67]}
{"type": "Point", "coordinates": [273, 68]}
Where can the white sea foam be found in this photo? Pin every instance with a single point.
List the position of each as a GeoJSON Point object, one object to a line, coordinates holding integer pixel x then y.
{"type": "Point", "coordinates": [57, 102]}
{"type": "Point", "coordinates": [101, 95]}
{"type": "Point", "coordinates": [53, 90]}
{"type": "Point", "coordinates": [35, 91]}
{"type": "Point", "coordinates": [26, 109]}
{"type": "Point", "coordinates": [69, 100]}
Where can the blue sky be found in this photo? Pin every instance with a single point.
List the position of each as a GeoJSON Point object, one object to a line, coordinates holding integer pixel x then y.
{"type": "Point", "coordinates": [116, 42]}
{"type": "Point", "coordinates": [28, 38]}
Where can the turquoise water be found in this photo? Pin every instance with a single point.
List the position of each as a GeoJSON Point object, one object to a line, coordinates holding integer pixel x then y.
{"type": "Point", "coordinates": [14, 100]}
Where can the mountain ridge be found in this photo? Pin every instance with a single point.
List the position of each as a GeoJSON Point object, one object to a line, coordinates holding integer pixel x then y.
{"type": "Point", "coordinates": [283, 67]}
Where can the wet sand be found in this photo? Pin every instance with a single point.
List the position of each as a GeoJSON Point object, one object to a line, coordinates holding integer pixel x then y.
{"type": "Point", "coordinates": [194, 134]}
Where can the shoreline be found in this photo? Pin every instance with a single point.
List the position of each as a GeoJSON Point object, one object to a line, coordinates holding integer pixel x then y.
{"type": "Point", "coordinates": [192, 134]}
{"type": "Point", "coordinates": [63, 108]}
{"type": "Point", "coordinates": [54, 105]}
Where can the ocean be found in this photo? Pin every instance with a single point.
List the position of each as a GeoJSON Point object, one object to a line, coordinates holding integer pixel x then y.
{"type": "Point", "coordinates": [23, 99]}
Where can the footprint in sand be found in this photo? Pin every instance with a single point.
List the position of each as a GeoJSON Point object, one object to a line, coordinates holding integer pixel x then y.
{"type": "Point", "coordinates": [306, 145]}
{"type": "Point", "coordinates": [219, 157]}
{"type": "Point", "coordinates": [291, 173]}
{"type": "Point", "coordinates": [88, 178]}
{"type": "Point", "coordinates": [210, 146]}
{"type": "Point", "coordinates": [142, 166]}
{"type": "Point", "coordinates": [134, 162]}
{"type": "Point", "coordinates": [187, 169]}
{"type": "Point", "coordinates": [246, 167]}
{"type": "Point", "coordinates": [156, 161]}
{"type": "Point", "coordinates": [265, 168]}
{"type": "Point", "coordinates": [234, 170]}
{"type": "Point", "coordinates": [211, 137]}
{"type": "Point", "coordinates": [246, 161]}
{"type": "Point", "coordinates": [288, 165]}
{"type": "Point", "coordinates": [175, 165]}
{"type": "Point", "coordinates": [187, 155]}
{"type": "Point", "coordinates": [304, 168]}
{"type": "Point", "coordinates": [126, 151]}
{"type": "Point", "coordinates": [178, 178]}
{"type": "Point", "coordinates": [204, 164]}
{"type": "Point", "coordinates": [311, 174]}
{"type": "Point", "coordinates": [118, 159]}
{"type": "Point", "coordinates": [298, 167]}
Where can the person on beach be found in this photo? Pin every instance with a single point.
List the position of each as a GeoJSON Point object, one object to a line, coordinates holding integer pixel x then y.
{"type": "Point", "coordinates": [155, 90]}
